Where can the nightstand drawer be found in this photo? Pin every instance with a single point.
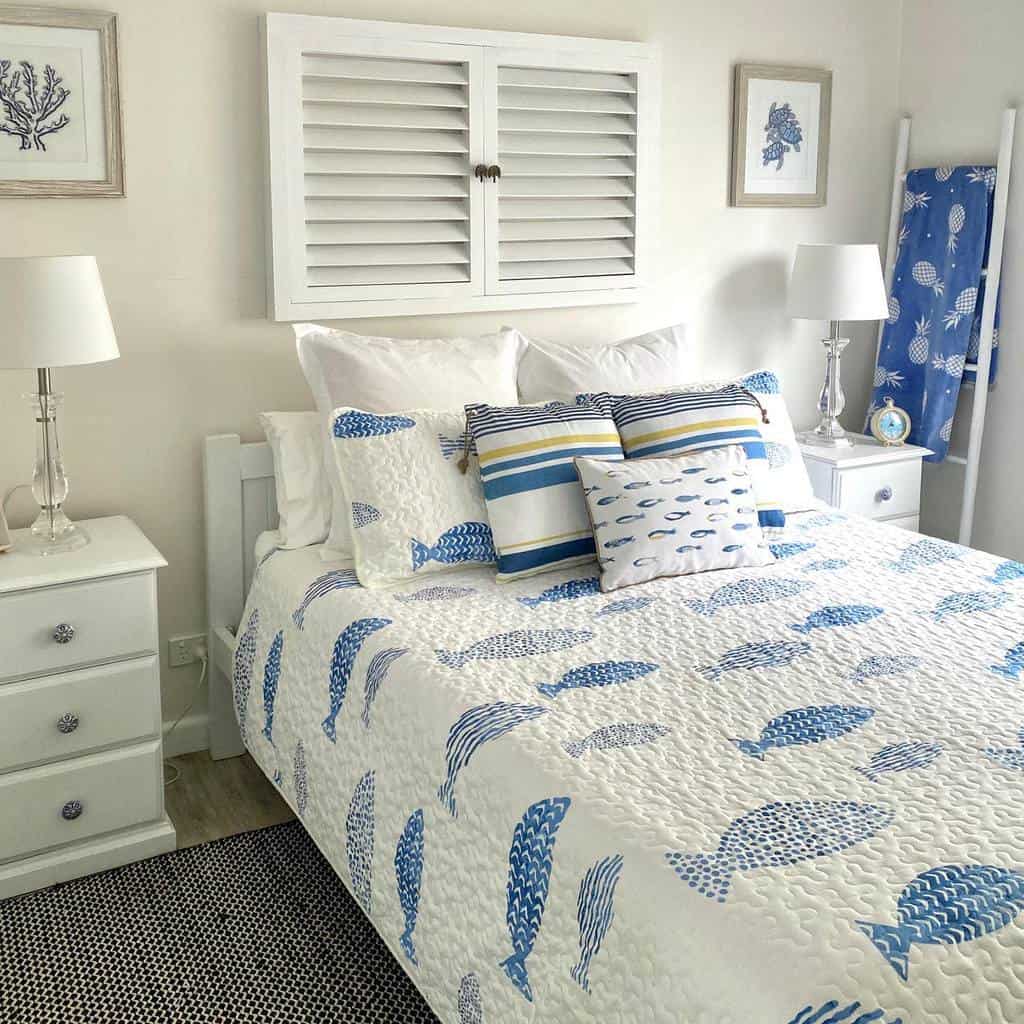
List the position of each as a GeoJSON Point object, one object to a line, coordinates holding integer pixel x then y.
{"type": "Point", "coordinates": [74, 800]}
{"type": "Point", "coordinates": [884, 491]}
{"type": "Point", "coordinates": [109, 618]}
{"type": "Point", "coordinates": [67, 715]}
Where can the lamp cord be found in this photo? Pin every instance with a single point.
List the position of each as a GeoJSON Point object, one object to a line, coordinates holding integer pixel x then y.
{"type": "Point", "coordinates": [175, 773]}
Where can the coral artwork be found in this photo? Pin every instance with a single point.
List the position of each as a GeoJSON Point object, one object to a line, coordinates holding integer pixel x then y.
{"type": "Point", "coordinates": [782, 133]}
{"type": "Point", "coordinates": [28, 107]}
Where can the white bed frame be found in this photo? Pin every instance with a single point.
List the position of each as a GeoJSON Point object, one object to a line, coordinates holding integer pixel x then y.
{"type": "Point", "coordinates": [240, 503]}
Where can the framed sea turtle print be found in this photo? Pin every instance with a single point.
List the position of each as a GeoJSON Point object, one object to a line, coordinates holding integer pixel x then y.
{"type": "Point", "coordinates": [780, 135]}
{"type": "Point", "coordinates": [60, 112]}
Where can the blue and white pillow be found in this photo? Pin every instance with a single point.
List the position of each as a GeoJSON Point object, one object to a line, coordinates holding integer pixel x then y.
{"type": "Point", "coordinates": [534, 501]}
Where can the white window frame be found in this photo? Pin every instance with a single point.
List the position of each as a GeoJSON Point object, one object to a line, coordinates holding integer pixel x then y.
{"type": "Point", "coordinates": [285, 36]}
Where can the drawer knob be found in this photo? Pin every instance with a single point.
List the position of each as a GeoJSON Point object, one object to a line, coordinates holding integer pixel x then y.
{"type": "Point", "coordinates": [67, 723]}
{"type": "Point", "coordinates": [71, 810]}
{"type": "Point", "coordinates": [64, 633]}
{"type": "Point", "coordinates": [885, 494]}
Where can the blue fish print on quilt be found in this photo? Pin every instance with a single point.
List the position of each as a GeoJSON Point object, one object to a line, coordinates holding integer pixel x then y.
{"type": "Point", "coordinates": [968, 603]}
{"type": "Point", "coordinates": [925, 552]}
{"type": "Point", "coordinates": [949, 904]}
{"type": "Point", "coordinates": [336, 579]}
{"type": "Point", "coordinates": [1008, 757]}
{"type": "Point", "coordinates": [778, 454]}
{"type": "Point", "coordinates": [346, 649]}
{"type": "Point", "coordinates": [271, 677]}
{"type": "Point", "coordinates": [568, 591]}
{"type": "Point", "coordinates": [822, 519]}
{"type": "Point", "coordinates": [436, 594]}
{"type": "Point", "coordinates": [529, 874]}
{"type": "Point", "coordinates": [471, 730]}
{"type": "Point", "coordinates": [838, 615]}
{"type": "Point", "coordinates": [1006, 572]}
{"type": "Point", "coordinates": [359, 825]}
{"type": "Point", "coordinates": [408, 875]}
{"type": "Point", "coordinates": [1013, 662]}
{"type": "Point", "coordinates": [601, 673]}
{"type": "Point", "coordinates": [766, 654]}
{"type": "Point", "coordinates": [363, 514]}
{"type": "Point", "coordinates": [263, 561]}
{"type": "Point", "coordinates": [595, 913]}
{"type": "Point", "coordinates": [625, 604]}
{"type": "Point", "coordinates": [621, 734]}
{"type": "Point", "coordinates": [900, 757]}
{"type": "Point", "coordinates": [452, 446]}
{"type": "Point", "coordinates": [826, 565]}
{"type": "Point", "coordinates": [300, 778]}
{"type": "Point", "coordinates": [789, 549]}
{"type": "Point", "coordinates": [471, 1009]}
{"type": "Point", "coordinates": [245, 659]}
{"type": "Point", "coordinates": [376, 673]}
{"type": "Point", "coordinates": [802, 726]}
{"type": "Point", "coordinates": [466, 542]}
{"type": "Point", "coordinates": [777, 835]}
{"type": "Point", "coordinates": [879, 665]}
{"type": "Point", "coordinates": [747, 592]}
{"type": "Point", "coordinates": [832, 1013]}
{"type": "Point", "coordinates": [520, 643]}
{"type": "Point", "coordinates": [353, 424]}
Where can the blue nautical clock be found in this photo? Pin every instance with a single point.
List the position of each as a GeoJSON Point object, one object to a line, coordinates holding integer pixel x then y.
{"type": "Point", "coordinates": [890, 424]}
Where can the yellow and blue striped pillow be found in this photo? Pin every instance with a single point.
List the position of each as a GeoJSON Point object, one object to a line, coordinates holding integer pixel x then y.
{"type": "Point", "coordinates": [534, 500]}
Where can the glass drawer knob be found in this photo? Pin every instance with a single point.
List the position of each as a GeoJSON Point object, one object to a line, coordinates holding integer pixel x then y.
{"type": "Point", "coordinates": [67, 723]}
{"type": "Point", "coordinates": [885, 494]}
{"type": "Point", "coordinates": [71, 810]}
{"type": "Point", "coordinates": [64, 633]}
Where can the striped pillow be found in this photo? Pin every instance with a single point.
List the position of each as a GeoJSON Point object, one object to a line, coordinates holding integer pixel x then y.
{"type": "Point", "coordinates": [534, 499]}
{"type": "Point", "coordinates": [682, 422]}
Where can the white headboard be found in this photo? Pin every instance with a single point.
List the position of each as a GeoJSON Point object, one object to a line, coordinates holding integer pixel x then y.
{"type": "Point", "coordinates": [239, 504]}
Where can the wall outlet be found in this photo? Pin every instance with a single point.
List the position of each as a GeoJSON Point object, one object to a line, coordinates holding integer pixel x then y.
{"type": "Point", "coordinates": [184, 650]}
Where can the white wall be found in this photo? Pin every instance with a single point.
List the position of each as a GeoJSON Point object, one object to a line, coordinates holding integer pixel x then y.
{"type": "Point", "coordinates": [182, 255]}
{"type": "Point", "coordinates": [961, 66]}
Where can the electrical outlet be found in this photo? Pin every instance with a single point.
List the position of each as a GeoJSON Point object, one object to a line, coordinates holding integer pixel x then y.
{"type": "Point", "coordinates": [184, 650]}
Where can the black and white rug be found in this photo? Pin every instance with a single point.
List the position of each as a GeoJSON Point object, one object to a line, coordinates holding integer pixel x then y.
{"type": "Point", "coordinates": [254, 928]}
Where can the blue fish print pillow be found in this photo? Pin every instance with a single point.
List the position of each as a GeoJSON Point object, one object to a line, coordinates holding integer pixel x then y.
{"type": "Point", "coordinates": [414, 512]}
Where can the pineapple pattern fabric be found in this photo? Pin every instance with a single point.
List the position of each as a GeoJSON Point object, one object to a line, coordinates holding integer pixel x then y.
{"type": "Point", "coordinates": [938, 290]}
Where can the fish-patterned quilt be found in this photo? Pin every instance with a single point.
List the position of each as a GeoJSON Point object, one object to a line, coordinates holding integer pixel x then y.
{"type": "Point", "coordinates": [784, 795]}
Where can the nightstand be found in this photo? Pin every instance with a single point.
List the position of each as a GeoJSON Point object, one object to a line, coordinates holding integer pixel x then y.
{"type": "Point", "coordinates": [869, 479]}
{"type": "Point", "coordinates": [81, 759]}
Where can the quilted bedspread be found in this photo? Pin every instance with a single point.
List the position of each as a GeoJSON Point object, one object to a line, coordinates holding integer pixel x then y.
{"type": "Point", "coordinates": [789, 795]}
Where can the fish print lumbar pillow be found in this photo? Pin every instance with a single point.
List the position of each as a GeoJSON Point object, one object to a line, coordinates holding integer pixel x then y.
{"type": "Point", "coordinates": [671, 517]}
{"type": "Point", "coordinates": [413, 512]}
{"type": "Point", "coordinates": [533, 496]}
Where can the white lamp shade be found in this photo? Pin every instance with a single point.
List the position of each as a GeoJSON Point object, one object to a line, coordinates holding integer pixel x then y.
{"type": "Point", "coordinates": [837, 282]}
{"type": "Point", "coordinates": [53, 313]}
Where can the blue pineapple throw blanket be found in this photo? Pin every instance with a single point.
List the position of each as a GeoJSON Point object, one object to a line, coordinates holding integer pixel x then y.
{"type": "Point", "coordinates": [937, 294]}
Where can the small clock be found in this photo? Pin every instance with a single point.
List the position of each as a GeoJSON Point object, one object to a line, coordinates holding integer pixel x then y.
{"type": "Point", "coordinates": [890, 424]}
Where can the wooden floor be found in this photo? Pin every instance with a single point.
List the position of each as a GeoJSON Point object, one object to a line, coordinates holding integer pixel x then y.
{"type": "Point", "coordinates": [214, 799]}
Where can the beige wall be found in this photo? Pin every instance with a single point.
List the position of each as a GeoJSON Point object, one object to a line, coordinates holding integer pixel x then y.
{"type": "Point", "coordinates": [182, 255]}
{"type": "Point", "coordinates": [961, 66]}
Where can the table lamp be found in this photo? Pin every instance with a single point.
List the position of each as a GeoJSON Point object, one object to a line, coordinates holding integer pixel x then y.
{"type": "Point", "coordinates": [54, 313]}
{"type": "Point", "coordinates": [835, 283]}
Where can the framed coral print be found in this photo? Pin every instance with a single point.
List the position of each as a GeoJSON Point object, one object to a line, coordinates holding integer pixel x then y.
{"type": "Point", "coordinates": [780, 136]}
{"type": "Point", "coordinates": [60, 111]}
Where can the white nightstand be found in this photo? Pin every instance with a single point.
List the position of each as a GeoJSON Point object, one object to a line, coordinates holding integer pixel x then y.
{"type": "Point", "coordinates": [869, 479]}
{"type": "Point", "coordinates": [81, 775]}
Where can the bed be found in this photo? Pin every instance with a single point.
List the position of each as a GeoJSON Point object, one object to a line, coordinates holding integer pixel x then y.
{"type": "Point", "coordinates": [787, 795]}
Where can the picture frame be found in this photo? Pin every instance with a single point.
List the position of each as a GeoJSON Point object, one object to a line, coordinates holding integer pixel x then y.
{"type": "Point", "coordinates": [60, 103]}
{"type": "Point", "coordinates": [781, 127]}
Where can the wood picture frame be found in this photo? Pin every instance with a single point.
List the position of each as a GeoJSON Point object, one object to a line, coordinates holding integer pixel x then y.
{"type": "Point", "coordinates": [781, 130]}
{"type": "Point", "coordinates": [31, 98]}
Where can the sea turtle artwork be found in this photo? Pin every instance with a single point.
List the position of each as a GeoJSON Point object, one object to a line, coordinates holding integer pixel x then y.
{"type": "Point", "coordinates": [783, 134]}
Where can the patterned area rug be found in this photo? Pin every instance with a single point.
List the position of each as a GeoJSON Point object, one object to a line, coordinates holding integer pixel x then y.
{"type": "Point", "coordinates": [254, 928]}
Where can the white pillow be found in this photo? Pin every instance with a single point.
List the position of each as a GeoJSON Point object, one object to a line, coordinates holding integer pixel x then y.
{"type": "Point", "coordinates": [413, 512]}
{"type": "Point", "coordinates": [385, 375]}
{"type": "Point", "coordinates": [650, 362]}
{"type": "Point", "coordinates": [302, 485]}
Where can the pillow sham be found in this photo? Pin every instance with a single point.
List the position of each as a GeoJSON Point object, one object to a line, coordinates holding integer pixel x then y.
{"type": "Point", "coordinates": [649, 362]}
{"type": "Point", "coordinates": [384, 375]}
{"type": "Point", "coordinates": [533, 496]}
{"type": "Point", "coordinates": [412, 511]}
{"type": "Point", "coordinates": [681, 422]}
{"type": "Point", "coordinates": [300, 481]}
{"type": "Point", "coordinates": [672, 516]}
